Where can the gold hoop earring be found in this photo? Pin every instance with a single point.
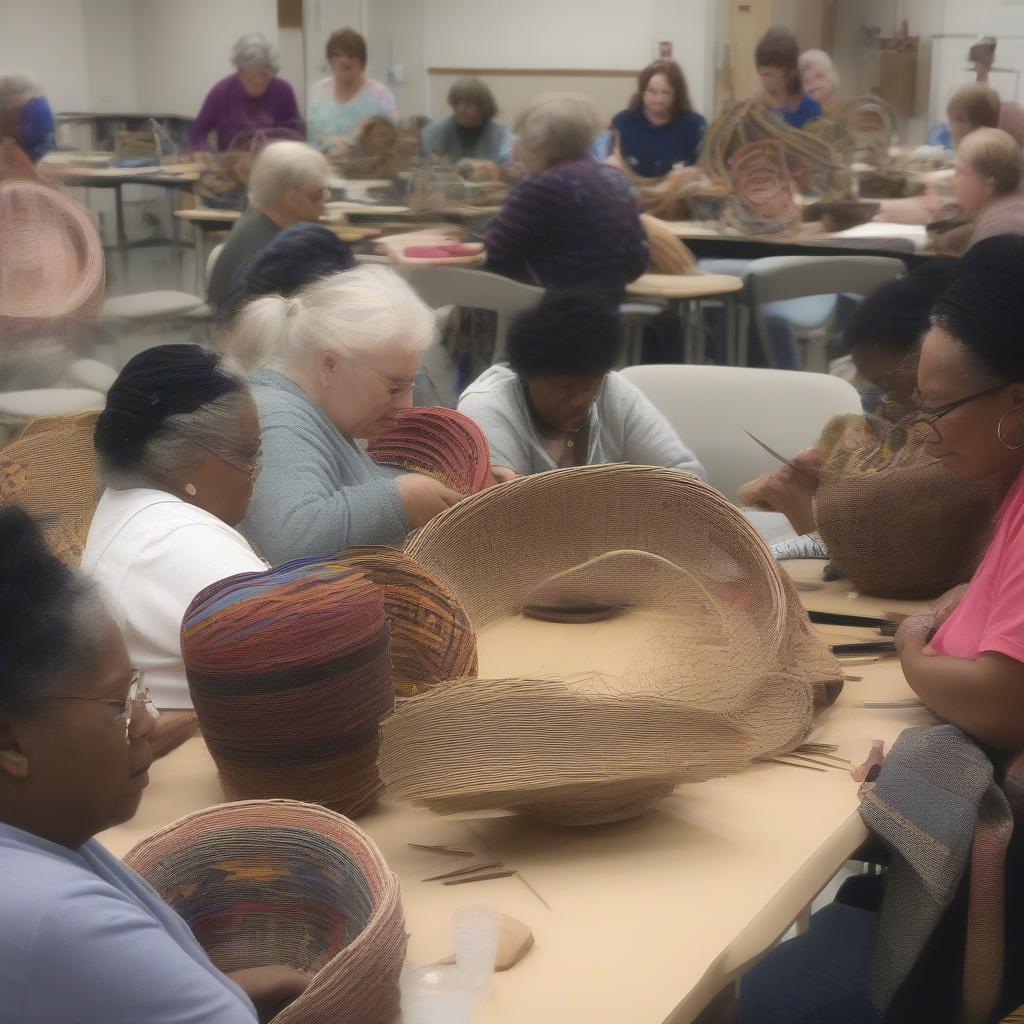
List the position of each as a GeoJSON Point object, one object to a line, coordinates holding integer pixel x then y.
{"type": "Point", "coordinates": [999, 429]}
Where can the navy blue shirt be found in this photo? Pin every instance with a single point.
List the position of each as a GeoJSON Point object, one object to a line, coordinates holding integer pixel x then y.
{"type": "Point", "coordinates": [808, 110]}
{"type": "Point", "coordinates": [652, 149]}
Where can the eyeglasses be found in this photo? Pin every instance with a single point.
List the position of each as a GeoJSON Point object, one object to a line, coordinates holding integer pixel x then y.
{"type": "Point", "coordinates": [250, 466]}
{"type": "Point", "coordinates": [927, 418]}
{"type": "Point", "coordinates": [395, 387]}
{"type": "Point", "coordinates": [320, 195]}
{"type": "Point", "coordinates": [137, 697]}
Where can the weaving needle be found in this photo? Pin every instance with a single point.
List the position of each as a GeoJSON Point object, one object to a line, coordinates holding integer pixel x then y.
{"type": "Point", "coordinates": [446, 851]}
{"type": "Point", "coordinates": [464, 871]}
{"type": "Point", "coordinates": [792, 764]}
{"type": "Point", "coordinates": [479, 878]}
{"type": "Point", "coordinates": [782, 458]}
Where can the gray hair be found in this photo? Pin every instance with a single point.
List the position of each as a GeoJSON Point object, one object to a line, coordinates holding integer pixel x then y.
{"type": "Point", "coordinates": [353, 312]}
{"type": "Point", "coordinates": [558, 126]}
{"type": "Point", "coordinates": [15, 85]}
{"type": "Point", "coordinates": [822, 61]}
{"type": "Point", "coordinates": [186, 438]}
{"type": "Point", "coordinates": [282, 166]}
{"type": "Point", "coordinates": [255, 50]}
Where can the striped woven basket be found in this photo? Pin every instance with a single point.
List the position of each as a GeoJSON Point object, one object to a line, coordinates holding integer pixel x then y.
{"type": "Point", "coordinates": [439, 442]}
{"type": "Point", "coordinates": [290, 675]}
{"type": "Point", "coordinates": [280, 882]}
{"type": "Point", "coordinates": [704, 659]}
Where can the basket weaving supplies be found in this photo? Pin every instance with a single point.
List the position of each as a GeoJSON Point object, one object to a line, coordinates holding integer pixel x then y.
{"type": "Point", "coordinates": [703, 660]}
{"type": "Point", "coordinates": [763, 199]}
{"type": "Point", "coordinates": [279, 882]}
{"type": "Point", "coordinates": [290, 675]}
{"type": "Point", "coordinates": [897, 522]}
{"type": "Point", "coordinates": [668, 253]}
{"type": "Point", "coordinates": [438, 442]}
{"type": "Point", "coordinates": [432, 638]}
{"type": "Point", "coordinates": [51, 472]}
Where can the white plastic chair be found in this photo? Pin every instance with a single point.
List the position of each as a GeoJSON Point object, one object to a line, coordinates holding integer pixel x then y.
{"type": "Point", "coordinates": [776, 279]}
{"type": "Point", "coordinates": [710, 407]}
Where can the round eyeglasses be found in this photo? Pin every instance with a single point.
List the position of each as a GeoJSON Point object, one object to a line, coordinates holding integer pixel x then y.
{"type": "Point", "coordinates": [137, 697]}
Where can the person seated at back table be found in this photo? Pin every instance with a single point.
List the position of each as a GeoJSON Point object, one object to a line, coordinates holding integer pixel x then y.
{"type": "Point", "coordinates": [84, 938]}
{"type": "Point", "coordinates": [558, 402]}
{"type": "Point", "coordinates": [989, 170]}
{"type": "Point", "coordinates": [572, 220]}
{"type": "Point", "coordinates": [471, 133]}
{"type": "Point", "coordinates": [26, 116]}
{"type": "Point", "coordinates": [660, 129]}
{"type": "Point", "coordinates": [288, 185]}
{"type": "Point", "coordinates": [777, 58]}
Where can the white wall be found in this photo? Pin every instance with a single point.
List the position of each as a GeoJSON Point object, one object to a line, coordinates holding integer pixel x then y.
{"type": "Point", "coordinates": [111, 67]}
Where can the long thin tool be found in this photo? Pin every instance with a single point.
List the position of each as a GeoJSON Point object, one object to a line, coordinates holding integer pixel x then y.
{"type": "Point", "coordinates": [479, 878]}
{"type": "Point", "coordinates": [464, 871]}
{"type": "Point", "coordinates": [782, 458]}
{"type": "Point", "coordinates": [867, 647]}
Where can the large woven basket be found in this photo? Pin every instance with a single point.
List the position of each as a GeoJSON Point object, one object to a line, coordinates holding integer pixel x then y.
{"type": "Point", "coordinates": [706, 661]}
{"type": "Point", "coordinates": [290, 674]}
{"type": "Point", "coordinates": [442, 443]}
{"type": "Point", "coordinates": [279, 882]}
{"type": "Point", "coordinates": [51, 472]}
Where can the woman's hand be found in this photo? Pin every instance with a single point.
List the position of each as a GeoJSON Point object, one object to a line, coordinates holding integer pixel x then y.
{"type": "Point", "coordinates": [789, 489]}
{"type": "Point", "coordinates": [271, 988]}
{"type": "Point", "coordinates": [499, 474]}
{"type": "Point", "coordinates": [424, 497]}
{"type": "Point", "coordinates": [947, 604]}
{"type": "Point", "coordinates": [915, 631]}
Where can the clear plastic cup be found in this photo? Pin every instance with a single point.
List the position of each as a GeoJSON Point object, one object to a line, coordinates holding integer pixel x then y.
{"type": "Point", "coordinates": [436, 995]}
{"type": "Point", "coordinates": [476, 944]}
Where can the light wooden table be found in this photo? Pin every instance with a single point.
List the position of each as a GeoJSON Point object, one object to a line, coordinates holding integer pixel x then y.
{"type": "Point", "coordinates": [643, 921]}
{"type": "Point", "coordinates": [877, 232]}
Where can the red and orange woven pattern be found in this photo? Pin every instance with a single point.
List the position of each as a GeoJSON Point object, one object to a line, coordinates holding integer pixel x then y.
{"type": "Point", "coordinates": [278, 882]}
{"type": "Point", "coordinates": [290, 676]}
{"type": "Point", "coordinates": [432, 638]}
{"type": "Point", "coordinates": [439, 442]}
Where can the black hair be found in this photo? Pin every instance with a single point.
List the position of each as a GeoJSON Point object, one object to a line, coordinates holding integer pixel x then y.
{"type": "Point", "coordinates": [50, 615]}
{"type": "Point", "coordinates": [299, 255]}
{"type": "Point", "coordinates": [896, 315]}
{"type": "Point", "coordinates": [575, 332]}
{"type": "Point", "coordinates": [983, 308]}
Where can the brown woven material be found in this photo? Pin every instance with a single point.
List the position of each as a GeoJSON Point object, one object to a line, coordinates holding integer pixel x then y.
{"type": "Point", "coordinates": [278, 882]}
{"type": "Point", "coordinates": [668, 253]}
{"type": "Point", "coordinates": [763, 193]}
{"type": "Point", "coordinates": [706, 662]}
{"type": "Point", "coordinates": [51, 472]}
{"type": "Point", "coordinates": [896, 522]}
{"type": "Point", "coordinates": [431, 636]}
{"type": "Point", "coordinates": [51, 257]}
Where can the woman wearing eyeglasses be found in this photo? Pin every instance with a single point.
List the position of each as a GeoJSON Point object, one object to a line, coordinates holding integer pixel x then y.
{"type": "Point", "coordinates": [83, 937]}
{"type": "Point", "coordinates": [178, 448]}
{"type": "Point", "coordinates": [335, 362]}
{"type": "Point", "coordinates": [964, 657]}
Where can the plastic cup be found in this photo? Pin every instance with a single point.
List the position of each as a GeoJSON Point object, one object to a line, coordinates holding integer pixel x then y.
{"type": "Point", "coordinates": [476, 944]}
{"type": "Point", "coordinates": [436, 995]}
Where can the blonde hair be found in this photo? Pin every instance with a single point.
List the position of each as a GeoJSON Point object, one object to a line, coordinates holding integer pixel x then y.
{"type": "Point", "coordinates": [282, 166]}
{"type": "Point", "coordinates": [822, 61]}
{"type": "Point", "coordinates": [352, 313]}
{"type": "Point", "coordinates": [993, 153]}
{"type": "Point", "coordinates": [558, 126]}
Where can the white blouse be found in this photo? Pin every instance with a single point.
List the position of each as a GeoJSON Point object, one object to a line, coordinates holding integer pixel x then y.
{"type": "Point", "coordinates": [152, 553]}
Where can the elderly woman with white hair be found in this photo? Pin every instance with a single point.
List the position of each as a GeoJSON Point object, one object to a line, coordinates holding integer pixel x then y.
{"type": "Point", "coordinates": [25, 115]}
{"type": "Point", "coordinates": [571, 221]}
{"type": "Point", "coordinates": [820, 81]}
{"type": "Point", "coordinates": [251, 100]}
{"type": "Point", "coordinates": [335, 362]}
{"type": "Point", "coordinates": [288, 185]}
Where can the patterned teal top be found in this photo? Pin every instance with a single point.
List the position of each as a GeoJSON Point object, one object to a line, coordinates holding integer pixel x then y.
{"type": "Point", "coordinates": [327, 120]}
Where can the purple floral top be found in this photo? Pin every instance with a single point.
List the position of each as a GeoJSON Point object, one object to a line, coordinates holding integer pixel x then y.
{"type": "Point", "coordinates": [228, 110]}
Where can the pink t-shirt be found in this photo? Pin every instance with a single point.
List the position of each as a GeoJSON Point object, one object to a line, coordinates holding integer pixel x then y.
{"type": "Point", "coordinates": [990, 617]}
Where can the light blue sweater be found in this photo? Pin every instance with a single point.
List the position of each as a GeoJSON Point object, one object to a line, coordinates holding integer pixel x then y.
{"type": "Point", "coordinates": [319, 491]}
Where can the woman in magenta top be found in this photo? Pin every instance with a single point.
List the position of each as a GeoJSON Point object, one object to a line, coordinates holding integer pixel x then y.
{"type": "Point", "coordinates": [250, 101]}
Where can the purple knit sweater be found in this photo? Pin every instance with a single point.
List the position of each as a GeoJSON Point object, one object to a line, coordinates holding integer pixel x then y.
{"type": "Point", "coordinates": [228, 110]}
{"type": "Point", "coordinates": [576, 223]}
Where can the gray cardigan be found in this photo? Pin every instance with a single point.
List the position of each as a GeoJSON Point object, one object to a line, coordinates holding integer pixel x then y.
{"type": "Point", "coordinates": [624, 426]}
{"type": "Point", "coordinates": [318, 491]}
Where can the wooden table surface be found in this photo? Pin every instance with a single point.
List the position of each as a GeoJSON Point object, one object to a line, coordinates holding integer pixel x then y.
{"type": "Point", "coordinates": [643, 921]}
{"type": "Point", "coordinates": [684, 286]}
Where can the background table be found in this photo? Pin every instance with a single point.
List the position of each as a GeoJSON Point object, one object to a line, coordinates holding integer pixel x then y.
{"type": "Point", "coordinates": [642, 921]}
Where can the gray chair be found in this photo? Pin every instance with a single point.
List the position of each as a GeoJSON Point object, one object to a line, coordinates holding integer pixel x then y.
{"type": "Point", "coordinates": [779, 278]}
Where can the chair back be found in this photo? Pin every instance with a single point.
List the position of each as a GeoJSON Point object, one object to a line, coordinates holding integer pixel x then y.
{"type": "Point", "coordinates": [711, 407]}
{"type": "Point", "coordinates": [211, 262]}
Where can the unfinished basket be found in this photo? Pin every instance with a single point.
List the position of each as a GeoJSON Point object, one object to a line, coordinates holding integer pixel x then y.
{"type": "Point", "coordinates": [290, 675]}
{"type": "Point", "coordinates": [704, 659]}
{"type": "Point", "coordinates": [279, 882]}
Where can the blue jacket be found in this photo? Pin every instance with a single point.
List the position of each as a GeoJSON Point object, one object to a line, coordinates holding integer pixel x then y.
{"type": "Point", "coordinates": [36, 136]}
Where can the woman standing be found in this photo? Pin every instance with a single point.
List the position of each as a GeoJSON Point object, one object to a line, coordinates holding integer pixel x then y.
{"type": "Point", "coordinates": [250, 101]}
{"type": "Point", "coordinates": [342, 103]}
{"type": "Point", "coordinates": [660, 129]}
{"type": "Point", "coordinates": [777, 56]}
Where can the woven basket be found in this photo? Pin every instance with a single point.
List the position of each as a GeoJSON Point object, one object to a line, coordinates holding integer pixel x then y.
{"type": "Point", "coordinates": [439, 442]}
{"type": "Point", "coordinates": [706, 660]}
{"type": "Point", "coordinates": [280, 882]}
{"type": "Point", "coordinates": [51, 257]}
{"type": "Point", "coordinates": [290, 675]}
{"type": "Point", "coordinates": [431, 636]}
{"type": "Point", "coordinates": [668, 253]}
{"type": "Point", "coordinates": [51, 472]}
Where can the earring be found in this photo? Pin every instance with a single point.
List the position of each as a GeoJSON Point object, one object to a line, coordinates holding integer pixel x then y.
{"type": "Point", "coordinates": [999, 429]}
{"type": "Point", "coordinates": [190, 490]}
